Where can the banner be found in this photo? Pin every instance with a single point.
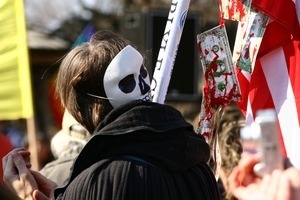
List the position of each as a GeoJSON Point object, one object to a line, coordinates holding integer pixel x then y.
{"type": "Point", "coordinates": [168, 49]}
{"type": "Point", "coordinates": [15, 83]}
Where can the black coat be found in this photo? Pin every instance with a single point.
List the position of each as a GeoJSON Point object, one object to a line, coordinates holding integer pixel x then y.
{"type": "Point", "coordinates": [142, 150]}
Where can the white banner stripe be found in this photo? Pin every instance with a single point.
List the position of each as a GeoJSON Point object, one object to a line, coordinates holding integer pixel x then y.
{"type": "Point", "coordinates": [249, 114]}
{"type": "Point", "coordinates": [277, 77]}
{"type": "Point", "coordinates": [168, 49]}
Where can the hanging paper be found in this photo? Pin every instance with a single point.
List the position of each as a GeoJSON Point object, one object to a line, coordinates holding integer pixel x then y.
{"type": "Point", "coordinates": [235, 10]}
{"type": "Point", "coordinates": [221, 84]}
{"type": "Point", "coordinates": [248, 40]}
{"type": "Point", "coordinates": [221, 87]}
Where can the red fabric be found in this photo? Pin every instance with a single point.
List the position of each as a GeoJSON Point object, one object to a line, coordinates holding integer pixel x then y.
{"type": "Point", "coordinates": [244, 88]}
{"type": "Point", "coordinates": [284, 16]}
{"type": "Point", "coordinates": [292, 48]}
{"type": "Point", "coordinates": [282, 12]}
{"type": "Point", "coordinates": [6, 146]}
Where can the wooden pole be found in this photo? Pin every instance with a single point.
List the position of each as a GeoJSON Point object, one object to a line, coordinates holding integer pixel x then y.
{"type": "Point", "coordinates": [32, 143]}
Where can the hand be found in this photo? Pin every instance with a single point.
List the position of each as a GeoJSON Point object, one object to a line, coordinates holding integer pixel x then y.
{"type": "Point", "coordinates": [243, 174]}
{"type": "Point", "coordinates": [16, 174]}
{"type": "Point", "coordinates": [46, 187]}
{"type": "Point", "coordinates": [278, 185]}
{"type": "Point", "coordinates": [292, 177]}
{"type": "Point", "coordinates": [26, 183]}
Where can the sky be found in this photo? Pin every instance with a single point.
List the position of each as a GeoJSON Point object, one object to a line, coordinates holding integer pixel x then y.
{"type": "Point", "coordinates": [46, 15]}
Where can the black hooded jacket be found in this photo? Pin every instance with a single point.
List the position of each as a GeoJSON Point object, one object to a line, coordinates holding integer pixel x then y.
{"type": "Point", "coordinates": [142, 150]}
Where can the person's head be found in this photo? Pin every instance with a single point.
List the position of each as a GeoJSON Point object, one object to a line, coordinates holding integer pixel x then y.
{"type": "Point", "coordinates": [100, 75]}
{"type": "Point", "coordinates": [229, 137]}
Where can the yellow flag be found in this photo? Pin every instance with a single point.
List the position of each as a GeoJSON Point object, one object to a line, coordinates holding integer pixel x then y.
{"type": "Point", "coordinates": [15, 82]}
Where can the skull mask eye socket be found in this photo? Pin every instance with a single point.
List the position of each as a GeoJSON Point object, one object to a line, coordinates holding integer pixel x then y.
{"type": "Point", "coordinates": [143, 72]}
{"type": "Point", "coordinates": [127, 84]}
{"type": "Point", "coordinates": [144, 87]}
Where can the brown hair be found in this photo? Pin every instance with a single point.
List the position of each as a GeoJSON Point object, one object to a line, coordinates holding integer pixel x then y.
{"type": "Point", "coordinates": [81, 73]}
{"type": "Point", "coordinates": [230, 143]}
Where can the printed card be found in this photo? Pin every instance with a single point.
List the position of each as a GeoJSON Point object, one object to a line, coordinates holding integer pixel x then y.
{"type": "Point", "coordinates": [248, 39]}
{"type": "Point", "coordinates": [221, 83]}
{"type": "Point", "coordinates": [236, 10]}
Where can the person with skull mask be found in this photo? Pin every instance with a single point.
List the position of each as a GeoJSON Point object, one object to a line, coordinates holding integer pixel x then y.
{"type": "Point", "coordinates": [139, 149]}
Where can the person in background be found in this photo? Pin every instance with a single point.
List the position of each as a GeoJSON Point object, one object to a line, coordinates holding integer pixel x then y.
{"type": "Point", "coordinates": [139, 149]}
{"type": "Point", "coordinates": [230, 145]}
{"type": "Point", "coordinates": [237, 177]}
{"type": "Point", "coordinates": [65, 146]}
{"type": "Point", "coordinates": [14, 130]}
{"type": "Point", "coordinates": [43, 148]}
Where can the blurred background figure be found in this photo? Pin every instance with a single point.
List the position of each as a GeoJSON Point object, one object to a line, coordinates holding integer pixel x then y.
{"type": "Point", "coordinates": [6, 193]}
{"type": "Point", "coordinates": [13, 129]}
{"type": "Point", "coordinates": [43, 148]}
{"type": "Point", "coordinates": [227, 130]}
{"type": "Point", "coordinates": [65, 146]}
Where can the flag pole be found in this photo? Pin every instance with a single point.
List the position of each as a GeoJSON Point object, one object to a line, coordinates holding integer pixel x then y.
{"type": "Point", "coordinates": [32, 143]}
{"type": "Point", "coordinates": [168, 49]}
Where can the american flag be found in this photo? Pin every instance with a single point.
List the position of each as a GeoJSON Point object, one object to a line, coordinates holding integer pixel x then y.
{"type": "Point", "coordinates": [275, 80]}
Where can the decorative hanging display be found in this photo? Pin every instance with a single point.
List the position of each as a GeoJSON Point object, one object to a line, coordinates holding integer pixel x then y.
{"type": "Point", "coordinates": [251, 27]}
{"type": "Point", "coordinates": [235, 10]}
{"type": "Point", "coordinates": [248, 39]}
{"type": "Point", "coordinates": [221, 87]}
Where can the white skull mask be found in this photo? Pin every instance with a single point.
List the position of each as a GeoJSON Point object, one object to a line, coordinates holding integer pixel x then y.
{"type": "Point", "coordinates": [126, 78]}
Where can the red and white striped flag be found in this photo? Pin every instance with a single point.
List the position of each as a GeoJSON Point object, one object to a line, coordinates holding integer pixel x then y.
{"type": "Point", "coordinates": [275, 81]}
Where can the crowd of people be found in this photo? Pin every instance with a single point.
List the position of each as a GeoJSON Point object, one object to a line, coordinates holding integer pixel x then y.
{"type": "Point", "coordinates": [133, 148]}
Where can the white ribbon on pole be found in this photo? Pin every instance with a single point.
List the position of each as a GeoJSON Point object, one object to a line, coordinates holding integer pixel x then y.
{"type": "Point", "coordinates": [168, 49]}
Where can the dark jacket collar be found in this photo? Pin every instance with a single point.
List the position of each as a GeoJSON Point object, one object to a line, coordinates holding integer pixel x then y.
{"type": "Point", "coordinates": [154, 132]}
{"type": "Point", "coordinates": [141, 115]}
